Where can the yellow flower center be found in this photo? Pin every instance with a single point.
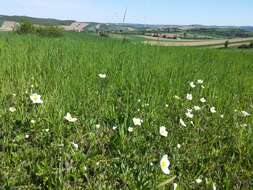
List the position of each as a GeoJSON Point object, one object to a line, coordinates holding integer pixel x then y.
{"type": "Point", "coordinates": [164, 164]}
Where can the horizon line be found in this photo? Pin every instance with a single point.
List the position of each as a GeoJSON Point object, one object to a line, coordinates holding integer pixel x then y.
{"type": "Point", "coordinates": [150, 24]}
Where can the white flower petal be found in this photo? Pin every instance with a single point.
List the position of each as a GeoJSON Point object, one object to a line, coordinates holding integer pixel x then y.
{"type": "Point", "coordinates": [165, 164]}
{"type": "Point", "coordinates": [36, 99]}
{"type": "Point", "coordinates": [198, 181]}
{"type": "Point", "coordinates": [130, 129]}
{"type": "Point", "coordinates": [102, 76]}
{"type": "Point", "coordinates": [245, 114]}
{"type": "Point", "coordinates": [182, 122]}
{"type": "Point", "coordinates": [203, 100]}
{"type": "Point", "coordinates": [189, 97]}
{"type": "Point", "coordinates": [12, 109]}
{"type": "Point", "coordinates": [69, 118]}
{"type": "Point", "coordinates": [137, 121]}
{"type": "Point", "coordinates": [213, 110]}
{"type": "Point", "coordinates": [163, 131]}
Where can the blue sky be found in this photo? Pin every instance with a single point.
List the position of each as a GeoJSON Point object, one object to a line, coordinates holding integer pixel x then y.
{"type": "Point", "coordinates": [208, 12]}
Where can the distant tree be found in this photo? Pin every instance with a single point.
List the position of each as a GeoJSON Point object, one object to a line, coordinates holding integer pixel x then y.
{"type": "Point", "coordinates": [50, 31]}
{"type": "Point", "coordinates": [226, 44]}
{"type": "Point", "coordinates": [251, 44]}
{"type": "Point", "coordinates": [102, 34]}
{"type": "Point", "coordinates": [25, 27]}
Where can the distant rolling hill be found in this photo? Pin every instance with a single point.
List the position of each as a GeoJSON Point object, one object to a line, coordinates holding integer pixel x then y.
{"type": "Point", "coordinates": [92, 26]}
{"type": "Point", "coordinates": [39, 21]}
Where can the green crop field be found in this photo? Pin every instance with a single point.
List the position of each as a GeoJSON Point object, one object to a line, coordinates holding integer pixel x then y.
{"type": "Point", "coordinates": [131, 105]}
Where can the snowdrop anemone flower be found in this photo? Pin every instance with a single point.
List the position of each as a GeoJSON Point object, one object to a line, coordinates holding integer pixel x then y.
{"type": "Point", "coordinates": [114, 127]}
{"type": "Point", "coordinates": [137, 121]}
{"type": "Point", "coordinates": [192, 84]}
{"type": "Point", "coordinates": [200, 81]}
{"type": "Point", "coordinates": [245, 114]}
{"type": "Point", "coordinates": [198, 181]}
{"type": "Point", "coordinates": [12, 109]}
{"type": "Point", "coordinates": [189, 97]}
{"type": "Point", "coordinates": [203, 100]}
{"type": "Point", "coordinates": [69, 118]}
{"type": "Point", "coordinates": [130, 129]}
{"type": "Point", "coordinates": [165, 164]}
{"type": "Point", "coordinates": [102, 76]}
{"type": "Point", "coordinates": [196, 108]}
{"type": "Point", "coordinates": [163, 131]}
{"type": "Point", "coordinates": [27, 136]}
{"type": "Point", "coordinates": [98, 126]}
{"type": "Point", "coordinates": [179, 146]}
{"type": "Point", "coordinates": [189, 115]}
{"type": "Point", "coordinates": [181, 121]}
{"type": "Point", "coordinates": [75, 146]}
{"type": "Point", "coordinates": [174, 186]}
{"type": "Point", "coordinates": [213, 110]}
{"type": "Point", "coordinates": [36, 98]}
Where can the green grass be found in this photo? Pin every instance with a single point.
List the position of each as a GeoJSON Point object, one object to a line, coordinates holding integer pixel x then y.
{"type": "Point", "coordinates": [64, 71]}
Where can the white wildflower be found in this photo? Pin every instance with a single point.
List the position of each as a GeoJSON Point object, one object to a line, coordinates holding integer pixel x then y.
{"type": "Point", "coordinates": [165, 164]}
{"type": "Point", "coordinates": [203, 100]}
{"type": "Point", "coordinates": [75, 146]}
{"type": "Point", "coordinates": [189, 115]}
{"type": "Point", "coordinates": [198, 181]}
{"type": "Point", "coordinates": [12, 109]}
{"type": "Point", "coordinates": [69, 118]}
{"type": "Point", "coordinates": [245, 114]}
{"type": "Point", "coordinates": [163, 131]}
{"type": "Point", "coordinates": [182, 122]}
{"type": "Point", "coordinates": [36, 99]}
{"type": "Point", "coordinates": [130, 129]}
{"type": "Point", "coordinates": [200, 81]}
{"type": "Point", "coordinates": [192, 84]}
{"type": "Point", "coordinates": [196, 108]}
{"type": "Point", "coordinates": [213, 110]}
{"type": "Point", "coordinates": [137, 121]}
{"type": "Point", "coordinates": [102, 76]}
{"type": "Point", "coordinates": [189, 97]}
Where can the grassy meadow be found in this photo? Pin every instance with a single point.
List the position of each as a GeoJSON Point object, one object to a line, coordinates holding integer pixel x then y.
{"type": "Point", "coordinates": [104, 148]}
